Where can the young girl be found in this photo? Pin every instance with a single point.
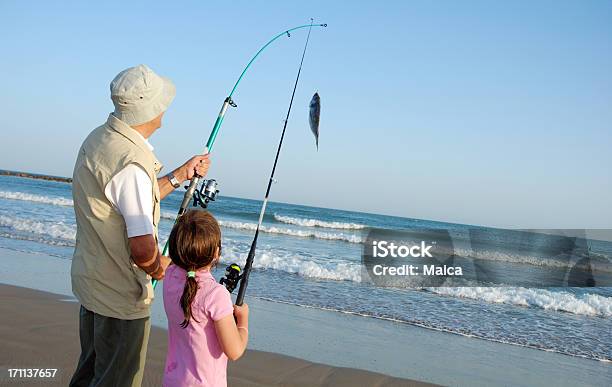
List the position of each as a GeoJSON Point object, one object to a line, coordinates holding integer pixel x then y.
{"type": "Point", "coordinates": [202, 332]}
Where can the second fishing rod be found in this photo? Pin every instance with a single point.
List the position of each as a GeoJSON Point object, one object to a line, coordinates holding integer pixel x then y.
{"type": "Point", "coordinates": [244, 277]}
{"type": "Point", "coordinates": [208, 191]}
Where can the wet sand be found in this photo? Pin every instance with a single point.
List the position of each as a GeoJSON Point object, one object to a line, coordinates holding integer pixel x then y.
{"type": "Point", "coordinates": [40, 330]}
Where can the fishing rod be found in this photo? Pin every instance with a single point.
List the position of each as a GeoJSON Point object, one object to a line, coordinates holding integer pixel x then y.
{"type": "Point", "coordinates": [244, 277]}
{"type": "Point", "coordinates": [209, 190]}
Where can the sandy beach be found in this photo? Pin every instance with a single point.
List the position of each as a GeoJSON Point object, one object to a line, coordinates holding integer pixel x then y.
{"type": "Point", "coordinates": [42, 333]}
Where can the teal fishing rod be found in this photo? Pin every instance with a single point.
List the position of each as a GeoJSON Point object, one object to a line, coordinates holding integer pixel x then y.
{"type": "Point", "coordinates": [208, 191]}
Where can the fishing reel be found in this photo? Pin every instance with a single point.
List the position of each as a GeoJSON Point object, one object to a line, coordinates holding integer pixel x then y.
{"type": "Point", "coordinates": [207, 193]}
{"type": "Point", "coordinates": [232, 277]}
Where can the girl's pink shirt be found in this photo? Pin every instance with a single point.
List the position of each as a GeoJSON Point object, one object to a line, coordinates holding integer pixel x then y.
{"type": "Point", "coordinates": [195, 357]}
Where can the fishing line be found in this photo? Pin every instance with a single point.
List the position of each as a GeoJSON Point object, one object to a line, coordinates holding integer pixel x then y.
{"type": "Point", "coordinates": [249, 262]}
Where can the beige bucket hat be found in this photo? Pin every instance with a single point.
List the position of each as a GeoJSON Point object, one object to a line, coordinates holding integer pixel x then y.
{"type": "Point", "coordinates": [140, 95]}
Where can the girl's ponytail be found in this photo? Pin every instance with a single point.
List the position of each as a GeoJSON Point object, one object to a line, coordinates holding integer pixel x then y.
{"type": "Point", "coordinates": [189, 292]}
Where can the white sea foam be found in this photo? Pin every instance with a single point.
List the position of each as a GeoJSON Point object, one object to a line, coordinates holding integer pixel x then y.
{"type": "Point", "coordinates": [296, 264]}
{"type": "Point", "coordinates": [598, 262]}
{"type": "Point", "coordinates": [352, 238]}
{"type": "Point", "coordinates": [317, 223]}
{"type": "Point", "coordinates": [58, 201]}
{"type": "Point", "coordinates": [587, 304]}
{"type": "Point", "coordinates": [57, 230]}
{"type": "Point", "coordinates": [168, 215]}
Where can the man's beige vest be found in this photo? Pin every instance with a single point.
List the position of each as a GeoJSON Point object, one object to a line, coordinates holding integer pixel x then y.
{"type": "Point", "coordinates": [104, 278]}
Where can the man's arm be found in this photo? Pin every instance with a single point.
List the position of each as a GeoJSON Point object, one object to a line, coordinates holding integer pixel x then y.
{"type": "Point", "coordinates": [146, 255]}
{"type": "Point", "coordinates": [197, 164]}
{"type": "Point", "coordinates": [130, 193]}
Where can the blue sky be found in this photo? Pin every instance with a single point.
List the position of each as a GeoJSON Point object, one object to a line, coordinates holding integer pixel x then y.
{"type": "Point", "coordinates": [479, 112]}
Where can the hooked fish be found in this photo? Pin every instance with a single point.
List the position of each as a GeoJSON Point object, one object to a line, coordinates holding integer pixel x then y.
{"type": "Point", "coordinates": [315, 112]}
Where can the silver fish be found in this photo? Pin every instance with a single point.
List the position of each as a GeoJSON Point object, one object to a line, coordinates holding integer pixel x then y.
{"type": "Point", "coordinates": [315, 112]}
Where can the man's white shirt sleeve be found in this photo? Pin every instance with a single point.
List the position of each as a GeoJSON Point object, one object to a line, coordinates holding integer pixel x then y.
{"type": "Point", "coordinates": [130, 191]}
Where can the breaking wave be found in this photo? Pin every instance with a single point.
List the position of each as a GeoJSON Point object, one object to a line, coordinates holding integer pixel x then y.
{"type": "Point", "coordinates": [351, 238]}
{"type": "Point", "coordinates": [167, 215]}
{"type": "Point", "coordinates": [58, 230]}
{"type": "Point", "coordinates": [295, 264]}
{"type": "Point", "coordinates": [58, 201]}
{"type": "Point", "coordinates": [586, 304]}
{"type": "Point", "coordinates": [318, 223]}
{"type": "Point", "coordinates": [560, 301]}
{"type": "Point", "coordinates": [599, 262]}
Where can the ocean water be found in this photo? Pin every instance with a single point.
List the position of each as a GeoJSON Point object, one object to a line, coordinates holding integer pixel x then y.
{"type": "Point", "coordinates": [310, 257]}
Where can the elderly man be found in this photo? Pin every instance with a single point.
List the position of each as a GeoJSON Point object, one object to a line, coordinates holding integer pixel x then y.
{"type": "Point", "coordinates": [116, 195]}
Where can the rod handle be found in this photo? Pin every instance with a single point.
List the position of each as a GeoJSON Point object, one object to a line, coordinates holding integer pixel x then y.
{"type": "Point", "coordinates": [242, 291]}
{"type": "Point", "coordinates": [244, 281]}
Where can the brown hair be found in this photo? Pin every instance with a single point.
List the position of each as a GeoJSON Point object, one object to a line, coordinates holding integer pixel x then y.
{"type": "Point", "coordinates": [193, 243]}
